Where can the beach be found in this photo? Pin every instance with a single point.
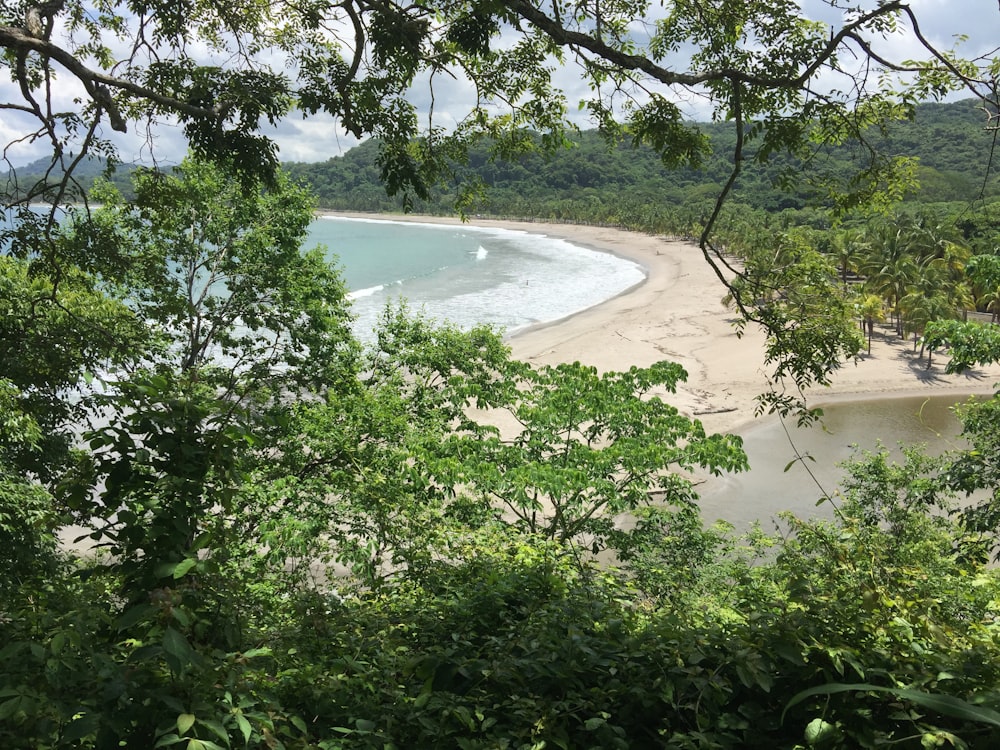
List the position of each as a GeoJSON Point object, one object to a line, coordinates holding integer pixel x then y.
{"type": "Point", "coordinates": [677, 314]}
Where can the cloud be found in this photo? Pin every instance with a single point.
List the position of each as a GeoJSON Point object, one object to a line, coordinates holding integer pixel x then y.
{"type": "Point", "coordinates": [317, 138]}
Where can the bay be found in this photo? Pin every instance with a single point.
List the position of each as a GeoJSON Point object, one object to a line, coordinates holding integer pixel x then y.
{"type": "Point", "coordinates": [510, 278]}
{"type": "Point", "coordinates": [468, 275]}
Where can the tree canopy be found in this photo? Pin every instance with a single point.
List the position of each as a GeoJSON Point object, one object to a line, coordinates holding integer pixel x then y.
{"type": "Point", "coordinates": [762, 67]}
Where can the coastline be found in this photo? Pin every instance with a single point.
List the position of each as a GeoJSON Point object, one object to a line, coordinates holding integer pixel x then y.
{"type": "Point", "coordinates": [677, 314]}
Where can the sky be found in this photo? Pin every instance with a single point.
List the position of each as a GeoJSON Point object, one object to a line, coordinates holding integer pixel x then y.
{"type": "Point", "coordinates": [318, 138]}
{"type": "Point", "coordinates": [941, 22]}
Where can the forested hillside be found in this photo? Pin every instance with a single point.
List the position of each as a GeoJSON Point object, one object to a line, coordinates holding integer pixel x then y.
{"type": "Point", "coordinates": [950, 142]}
{"type": "Point", "coordinates": [600, 179]}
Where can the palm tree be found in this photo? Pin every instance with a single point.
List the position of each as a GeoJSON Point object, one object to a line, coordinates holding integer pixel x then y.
{"type": "Point", "coordinates": [929, 298]}
{"type": "Point", "coordinates": [983, 273]}
{"type": "Point", "coordinates": [949, 265]}
{"type": "Point", "coordinates": [849, 250]}
{"type": "Point", "coordinates": [871, 308]}
{"type": "Point", "coordinates": [891, 267]}
{"type": "Point", "coordinates": [990, 301]}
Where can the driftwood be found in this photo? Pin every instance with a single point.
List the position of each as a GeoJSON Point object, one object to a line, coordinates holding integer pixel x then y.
{"type": "Point", "coordinates": [720, 410]}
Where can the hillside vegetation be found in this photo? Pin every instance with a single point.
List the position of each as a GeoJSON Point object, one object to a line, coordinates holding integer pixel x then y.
{"type": "Point", "coordinates": [593, 177]}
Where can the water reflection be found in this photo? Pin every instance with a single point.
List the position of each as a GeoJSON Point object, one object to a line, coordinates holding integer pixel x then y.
{"type": "Point", "coordinates": [768, 488]}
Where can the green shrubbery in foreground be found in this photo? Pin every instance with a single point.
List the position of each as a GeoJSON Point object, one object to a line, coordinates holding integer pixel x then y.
{"type": "Point", "coordinates": [516, 642]}
{"type": "Point", "coordinates": [247, 445]}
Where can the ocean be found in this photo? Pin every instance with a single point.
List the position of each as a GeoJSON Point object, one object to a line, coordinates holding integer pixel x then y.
{"type": "Point", "coordinates": [467, 275]}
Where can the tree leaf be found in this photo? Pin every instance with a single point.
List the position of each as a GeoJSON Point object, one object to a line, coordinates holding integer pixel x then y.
{"type": "Point", "coordinates": [184, 566]}
{"type": "Point", "coordinates": [184, 723]}
{"type": "Point", "coordinates": [948, 705]}
{"type": "Point", "coordinates": [133, 615]}
{"type": "Point", "coordinates": [245, 728]}
{"type": "Point", "coordinates": [216, 728]}
{"type": "Point", "coordinates": [176, 650]}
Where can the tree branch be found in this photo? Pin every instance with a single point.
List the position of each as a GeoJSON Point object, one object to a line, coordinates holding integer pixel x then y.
{"type": "Point", "coordinates": [17, 39]}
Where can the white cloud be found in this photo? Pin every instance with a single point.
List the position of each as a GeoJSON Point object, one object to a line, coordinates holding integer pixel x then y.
{"type": "Point", "coordinates": [314, 139]}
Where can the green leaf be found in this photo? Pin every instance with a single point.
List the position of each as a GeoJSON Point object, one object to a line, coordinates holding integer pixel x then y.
{"type": "Point", "coordinates": [245, 728]}
{"type": "Point", "coordinates": [176, 649]}
{"type": "Point", "coordinates": [194, 744]}
{"type": "Point", "coordinates": [168, 739]}
{"type": "Point", "coordinates": [184, 723]}
{"type": "Point", "coordinates": [81, 727]}
{"type": "Point", "coordinates": [948, 705]}
{"type": "Point", "coordinates": [134, 615]}
{"type": "Point", "coordinates": [819, 732]}
{"type": "Point", "coordinates": [184, 566]}
{"type": "Point", "coordinates": [216, 728]}
{"type": "Point", "coordinates": [9, 708]}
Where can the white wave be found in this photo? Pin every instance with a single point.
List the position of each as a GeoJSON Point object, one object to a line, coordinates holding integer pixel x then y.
{"type": "Point", "coordinates": [481, 253]}
{"type": "Point", "coordinates": [358, 294]}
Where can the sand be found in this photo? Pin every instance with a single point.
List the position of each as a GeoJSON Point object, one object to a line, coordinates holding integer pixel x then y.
{"type": "Point", "coordinates": [677, 314]}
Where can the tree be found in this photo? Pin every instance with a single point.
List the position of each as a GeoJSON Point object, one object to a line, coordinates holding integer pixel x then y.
{"type": "Point", "coordinates": [892, 267]}
{"type": "Point", "coordinates": [872, 310]}
{"type": "Point", "coordinates": [976, 472]}
{"type": "Point", "coordinates": [926, 300]}
{"type": "Point", "coordinates": [591, 450]}
{"type": "Point", "coordinates": [245, 402]}
{"type": "Point", "coordinates": [807, 314]}
{"type": "Point", "coordinates": [362, 477]}
{"type": "Point", "coordinates": [848, 249]}
{"type": "Point", "coordinates": [984, 275]}
{"type": "Point", "coordinates": [221, 276]}
{"type": "Point", "coordinates": [57, 328]}
{"type": "Point", "coordinates": [235, 324]}
{"type": "Point", "coordinates": [242, 322]}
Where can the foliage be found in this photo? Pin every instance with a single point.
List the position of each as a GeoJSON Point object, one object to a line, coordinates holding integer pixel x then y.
{"type": "Point", "coordinates": [968, 343]}
{"type": "Point", "coordinates": [975, 472]}
{"type": "Point", "coordinates": [619, 183]}
{"type": "Point", "coordinates": [511, 642]}
{"type": "Point", "coordinates": [219, 273]}
{"type": "Point", "coordinates": [791, 289]}
{"type": "Point", "coordinates": [771, 78]}
{"type": "Point", "coordinates": [363, 469]}
{"type": "Point", "coordinates": [589, 449]}
{"type": "Point", "coordinates": [57, 327]}
{"type": "Point", "coordinates": [465, 493]}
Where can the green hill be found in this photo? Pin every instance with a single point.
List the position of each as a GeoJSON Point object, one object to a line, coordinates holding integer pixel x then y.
{"type": "Point", "coordinates": [949, 140]}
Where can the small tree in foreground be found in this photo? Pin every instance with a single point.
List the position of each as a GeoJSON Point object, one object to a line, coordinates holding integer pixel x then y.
{"type": "Point", "coordinates": [590, 449]}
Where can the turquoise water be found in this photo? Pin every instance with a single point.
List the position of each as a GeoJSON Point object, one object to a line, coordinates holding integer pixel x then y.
{"type": "Point", "coordinates": [468, 275]}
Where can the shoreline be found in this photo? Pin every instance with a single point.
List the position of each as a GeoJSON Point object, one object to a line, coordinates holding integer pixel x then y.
{"type": "Point", "coordinates": [677, 314]}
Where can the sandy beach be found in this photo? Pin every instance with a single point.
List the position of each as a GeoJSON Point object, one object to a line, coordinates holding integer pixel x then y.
{"type": "Point", "coordinates": [677, 314]}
